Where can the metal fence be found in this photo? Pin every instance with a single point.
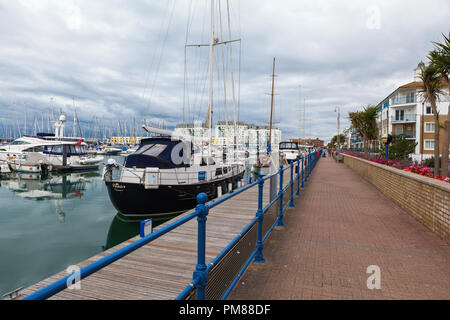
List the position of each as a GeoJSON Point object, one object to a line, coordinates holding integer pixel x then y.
{"type": "Point", "coordinates": [216, 280]}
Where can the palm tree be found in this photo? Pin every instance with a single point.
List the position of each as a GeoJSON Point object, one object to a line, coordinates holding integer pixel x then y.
{"type": "Point", "coordinates": [366, 123]}
{"type": "Point", "coordinates": [440, 59]}
{"type": "Point", "coordinates": [430, 92]}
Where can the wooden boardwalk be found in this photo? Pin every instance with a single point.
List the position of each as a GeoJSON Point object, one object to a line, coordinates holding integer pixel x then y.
{"type": "Point", "coordinates": [163, 268]}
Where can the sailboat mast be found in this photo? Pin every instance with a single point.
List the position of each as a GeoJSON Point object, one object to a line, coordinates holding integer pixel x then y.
{"type": "Point", "coordinates": [211, 56]}
{"type": "Point", "coordinates": [271, 105]}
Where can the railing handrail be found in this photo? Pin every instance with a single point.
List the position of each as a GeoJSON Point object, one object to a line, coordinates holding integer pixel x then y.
{"type": "Point", "coordinates": [84, 272]}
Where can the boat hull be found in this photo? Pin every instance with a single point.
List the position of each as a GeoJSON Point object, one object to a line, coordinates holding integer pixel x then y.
{"type": "Point", "coordinates": [134, 200]}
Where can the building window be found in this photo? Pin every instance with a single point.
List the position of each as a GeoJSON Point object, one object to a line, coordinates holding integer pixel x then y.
{"type": "Point", "coordinates": [429, 127]}
{"type": "Point", "coordinates": [410, 97]}
{"type": "Point", "coordinates": [399, 115]}
{"type": "Point", "coordinates": [429, 110]}
{"type": "Point", "coordinates": [428, 144]}
{"type": "Point", "coordinates": [399, 129]}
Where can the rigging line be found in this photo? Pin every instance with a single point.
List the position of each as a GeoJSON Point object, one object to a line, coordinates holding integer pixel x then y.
{"type": "Point", "coordinates": [162, 52]}
{"type": "Point", "coordinates": [218, 88]}
{"type": "Point", "coordinates": [196, 84]}
{"type": "Point", "coordinates": [152, 61]}
{"type": "Point", "coordinates": [189, 103]}
{"type": "Point", "coordinates": [185, 66]}
{"type": "Point", "coordinates": [239, 84]}
{"type": "Point", "coordinates": [223, 66]}
{"type": "Point", "coordinates": [201, 80]}
{"type": "Point", "coordinates": [232, 72]}
{"type": "Point", "coordinates": [231, 11]}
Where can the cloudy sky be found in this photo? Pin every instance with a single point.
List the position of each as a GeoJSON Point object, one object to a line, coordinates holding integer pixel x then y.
{"type": "Point", "coordinates": [125, 60]}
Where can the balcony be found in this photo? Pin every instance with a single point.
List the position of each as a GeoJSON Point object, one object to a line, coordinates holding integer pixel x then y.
{"type": "Point", "coordinates": [407, 135]}
{"type": "Point", "coordinates": [403, 100]}
{"type": "Point", "coordinates": [407, 117]}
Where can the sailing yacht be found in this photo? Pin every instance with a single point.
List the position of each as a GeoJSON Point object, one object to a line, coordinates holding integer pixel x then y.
{"type": "Point", "coordinates": [264, 162]}
{"type": "Point", "coordinates": [167, 172]}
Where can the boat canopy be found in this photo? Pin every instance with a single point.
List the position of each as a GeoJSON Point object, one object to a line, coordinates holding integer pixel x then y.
{"type": "Point", "coordinates": [163, 153]}
{"type": "Point", "coordinates": [288, 146]}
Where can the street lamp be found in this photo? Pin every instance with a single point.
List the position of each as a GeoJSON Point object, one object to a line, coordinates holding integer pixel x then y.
{"type": "Point", "coordinates": [338, 110]}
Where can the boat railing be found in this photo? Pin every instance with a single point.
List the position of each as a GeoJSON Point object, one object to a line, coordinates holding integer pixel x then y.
{"type": "Point", "coordinates": [170, 176]}
{"type": "Point", "coordinates": [299, 173]}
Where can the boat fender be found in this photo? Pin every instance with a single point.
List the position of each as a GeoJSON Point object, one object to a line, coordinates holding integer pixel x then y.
{"type": "Point", "coordinates": [108, 168]}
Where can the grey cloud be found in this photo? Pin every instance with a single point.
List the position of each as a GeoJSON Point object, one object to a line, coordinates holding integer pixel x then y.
{"type": "Point", "coordinates": [105, 54]}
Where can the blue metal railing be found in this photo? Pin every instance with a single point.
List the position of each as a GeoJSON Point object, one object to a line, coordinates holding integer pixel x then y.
{"type": "Point", "coordinates": [201, 272]}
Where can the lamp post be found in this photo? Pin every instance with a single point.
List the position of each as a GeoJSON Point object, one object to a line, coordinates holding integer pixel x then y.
{"type": "Point", "coordinates": [338, 110]}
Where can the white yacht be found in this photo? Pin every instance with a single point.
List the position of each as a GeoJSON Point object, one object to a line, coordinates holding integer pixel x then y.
{"type": "Point", "coordinates": [48, 152]}
{"type": "Point", "coordinates": [289, 151]}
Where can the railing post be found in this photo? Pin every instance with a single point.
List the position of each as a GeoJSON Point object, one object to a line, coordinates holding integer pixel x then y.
{"type": "Point", "coordinates": [307, 168]}
{"type": "Point", "coordinates": [291, 202]}
{"type": "Point", "coordinates": [280, 195]}
{"type": "Point", "coordinates": [298, 177]}
{"type": "Point", "coordinates": [259, 258]}
{"type": "Point", "coordinates": [303, 172]}
{"type": "Point", "coordinates": [201, 272]}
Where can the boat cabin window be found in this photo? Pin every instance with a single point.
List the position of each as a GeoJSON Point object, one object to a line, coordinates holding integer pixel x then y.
{"type": "Point", "coordinates": [225, 170]}
{"type": "Point", "coordinates": [288, 145]}
{"type": "Point", "coordinates": [71, 150]}
{"type": "Point", "coordinates": [207, 161]}
{"type": "Point", "coordinates": [153, 150]}
{"type": "Point", "coordinates": [35, 149]}
{"type": "Point", "coordinates": [219, 171]}
{"type": "Point", "coordinates": [16, 143]}
{"type": "Point", "coordinates": [54, 149]}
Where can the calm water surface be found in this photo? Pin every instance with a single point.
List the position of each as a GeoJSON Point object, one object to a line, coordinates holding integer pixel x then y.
{"type": "Point", "coordinates": [49, 224]}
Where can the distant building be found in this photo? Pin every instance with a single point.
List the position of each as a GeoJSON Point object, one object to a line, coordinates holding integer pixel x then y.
{"type": "Point", "coordinates": [249, 135]}
{"type": "Point", "coordinates": [125, 140]}
{"type": "Point", "coordinates": [310, 142]}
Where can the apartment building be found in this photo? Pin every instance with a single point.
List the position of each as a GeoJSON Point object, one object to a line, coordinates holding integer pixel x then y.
{"type": "Point", "coordinates": [248, 135]}
{"type": "Point", "coordinates": [310, 142]}
{"type": "Point", "coordinates": [404, 112]}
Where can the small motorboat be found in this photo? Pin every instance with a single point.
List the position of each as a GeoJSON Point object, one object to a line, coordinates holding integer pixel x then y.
{"type": "Point", "coordinates": [32, 162]}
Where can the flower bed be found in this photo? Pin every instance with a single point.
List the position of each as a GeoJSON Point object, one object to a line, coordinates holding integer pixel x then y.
{"type": "Point", "coordinates": [414, 168]}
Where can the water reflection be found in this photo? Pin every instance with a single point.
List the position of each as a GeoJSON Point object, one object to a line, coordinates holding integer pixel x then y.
{"type": "Point", "coordinates": [53, 187]}
{"type": "Point", "coordinates": [124, 228]}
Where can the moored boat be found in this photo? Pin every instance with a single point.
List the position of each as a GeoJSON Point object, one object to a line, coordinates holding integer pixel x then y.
{"type": "Point", "coordinates": [164, 176]}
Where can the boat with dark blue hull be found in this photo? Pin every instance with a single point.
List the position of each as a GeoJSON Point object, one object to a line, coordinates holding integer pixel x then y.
{"type": "Point", "coordinates": [164, 176]}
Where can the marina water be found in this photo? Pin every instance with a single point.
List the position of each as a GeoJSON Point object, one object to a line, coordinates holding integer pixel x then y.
{"type": "Point", "coordinates": [50, 223]}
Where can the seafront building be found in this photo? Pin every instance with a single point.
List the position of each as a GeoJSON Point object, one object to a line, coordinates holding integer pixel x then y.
{"type": "Point", "coordinates": [248, 135]}
{"type": "Point", "coordinates": [404, 112]}
{"type": "Point", "coordinates": [309, 142]}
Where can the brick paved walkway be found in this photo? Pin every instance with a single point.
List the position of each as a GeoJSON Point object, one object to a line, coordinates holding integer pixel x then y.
{"type": "Point", "coordinates": [340, 226]}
